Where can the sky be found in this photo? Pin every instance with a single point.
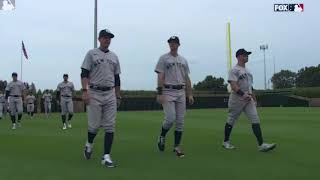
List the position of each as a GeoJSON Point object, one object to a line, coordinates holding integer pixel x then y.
{"type": "Point", "coordinates": [57, 35]}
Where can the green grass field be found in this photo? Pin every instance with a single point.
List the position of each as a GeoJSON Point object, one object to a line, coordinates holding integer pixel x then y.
{"type": "Point", "coordinates": [41, 150]}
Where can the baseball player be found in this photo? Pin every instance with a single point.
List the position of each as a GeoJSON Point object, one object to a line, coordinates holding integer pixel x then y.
{"type": "Point", "coordinates": [3, 105]}
{"type": "Point", "coordinates": [30, 100]}
{"type": "Point", "coordinates": [241, 100]}
{"type": "Point", "coordinates": [47, 97]}
{"type": "Point", "coordinates": [174, 85]}
{"type": "Point", "coordinates": [65, 91]}
{"type": "Point", "coordinates": [14, 93]}
{"type": "Point", "coordinates": [101, 92]}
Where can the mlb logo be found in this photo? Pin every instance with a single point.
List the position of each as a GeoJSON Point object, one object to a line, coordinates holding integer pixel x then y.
{"type": "Point", "coordinates": [7, 5]}
{"type": "Point", "coordinates": [288, 7]}
{"type": "Point", "coordinates": [298, 8]}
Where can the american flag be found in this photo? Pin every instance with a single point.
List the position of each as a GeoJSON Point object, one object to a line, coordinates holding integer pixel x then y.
{"type": "Point", "coordinates": [24, 51]}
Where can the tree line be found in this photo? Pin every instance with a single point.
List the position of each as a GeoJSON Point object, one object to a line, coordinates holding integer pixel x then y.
{"type": "Point", "coordinates": [305, 77]}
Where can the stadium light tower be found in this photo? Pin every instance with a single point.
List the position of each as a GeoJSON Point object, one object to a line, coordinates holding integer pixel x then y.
{"type": "Point", "coordinates": [95, 23]}
{"type": "Point", "coordinates": [264, 48]}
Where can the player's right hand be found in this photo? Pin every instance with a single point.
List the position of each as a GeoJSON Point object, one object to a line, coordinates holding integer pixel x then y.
{"type": "Point", "coordinates": [118, 102]}
{"type": "Point", "coordinates": [191, 100]}
{"type": "Point", "coordinates": [161, 99]}
{"type": "Point", "coordinates": [85, 97]}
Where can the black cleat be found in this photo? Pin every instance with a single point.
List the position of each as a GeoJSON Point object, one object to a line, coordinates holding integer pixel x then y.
{"type": "Point", "coordinates": [87, 154]}
{"type": "Point", "coordinates": [161, 143]}
{"type": "Point", "coordinates": [178, 152]}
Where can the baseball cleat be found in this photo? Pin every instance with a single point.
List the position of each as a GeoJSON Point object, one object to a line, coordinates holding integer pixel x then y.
{"type": "Point", "coordinates": [227, 145]}
{"type": "Point", "coordinates": [64, 126]}
{"type": "Point", "coordinates": [161, 143]}
{"type": "Point", "coordinates": [107, 162]}
{"type": "Point", "coordinates": [69, 125]}
{"type": "Point", "coordinates": [14, 126]}
{"type": "Point", "coordinates": [178, 152]}
{"type": "Point", "coordinates": [87, 151]}
{"type": "Point", "coordinates": [266, 147]}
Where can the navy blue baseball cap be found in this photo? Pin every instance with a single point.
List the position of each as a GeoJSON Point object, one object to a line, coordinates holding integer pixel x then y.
{"type": "Point", "coordinates": [242, 51]}
{"type": "Point", "coordinates": [14, 74]}
{"type": "Point", "coordinates": [65, 75]}
{"type": "Point", "coordinates": [105, 33]}
{"type": "Point", "coordinates": [174, 39]}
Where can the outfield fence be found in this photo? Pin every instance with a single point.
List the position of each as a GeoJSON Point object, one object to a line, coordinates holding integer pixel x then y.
{"type": "Point", "coordinates": [202, 101]}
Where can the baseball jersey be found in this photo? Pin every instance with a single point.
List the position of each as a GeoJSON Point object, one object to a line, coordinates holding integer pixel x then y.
{"type": "Point", "coordinates": [47, 97]}
{"type": "Point", "coordinates": [102, 67]}
{"type": "Point", "coordinates": [66, 89]}
{"type": "Point", "coordinates": [2, 98]}
{"type": "Point", "coordinates": [30, 99]}
{"type": "Point", "coordinates": [175, 69]}
{"type": "Point", "coordinates": [15, 88]}
{"type": "Point", "coordinates": [243, 77]}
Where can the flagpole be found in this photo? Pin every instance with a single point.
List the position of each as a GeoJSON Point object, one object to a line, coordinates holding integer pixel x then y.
{"type": "Point", "coordinates": [95, 23]}
{"type": "Point", "coordinates": [21, 63]}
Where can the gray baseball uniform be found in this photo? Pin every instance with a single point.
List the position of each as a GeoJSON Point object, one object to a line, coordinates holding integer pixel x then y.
{"type": "Point", "coordinates": [47, 102]}
{"type": "Point", "coordinates": [15, 100]}
{"type": "Point", "coordinates": [66, 90]}
{"type": "Point", "coordinates": [2, 105]}
{"type": "Point", "coordinates": [102, 107]}
{"type": "Point", "coordinates": [30, 100]}
{"type": "Point", "coordinates": [175, 70]}
{"type": "Point", "coordinates": [236, 103]}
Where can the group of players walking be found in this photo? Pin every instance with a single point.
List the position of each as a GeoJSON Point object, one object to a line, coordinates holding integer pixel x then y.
{"type": "Point", "coordinates": [15, 95]}
{"type": "Point", "coordinates": [100, 80]}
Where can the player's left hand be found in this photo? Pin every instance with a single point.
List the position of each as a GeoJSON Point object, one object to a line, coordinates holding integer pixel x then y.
{"type": "Point", "coordinates": [161, 99]}
{"type": "Point", "coordinates": [246, 97]}
{"type": "Point", "coordinates": [254, 97]}
{"type": "Point", "coordinates": [191, 100]}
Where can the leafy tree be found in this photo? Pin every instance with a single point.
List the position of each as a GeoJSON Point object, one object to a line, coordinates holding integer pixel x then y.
{"type": "Point", "coordinates": [283, 79]}
{"type": "Point", "coordinates": [3, 85]}
{"type": "Point", "coordinates": [211, 83]}
{"type": "Point", "coordinates": [308, 77]}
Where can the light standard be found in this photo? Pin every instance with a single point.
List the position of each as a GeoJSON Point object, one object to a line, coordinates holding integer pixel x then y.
{"type": "Point", "coordinates": [264, 48]}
